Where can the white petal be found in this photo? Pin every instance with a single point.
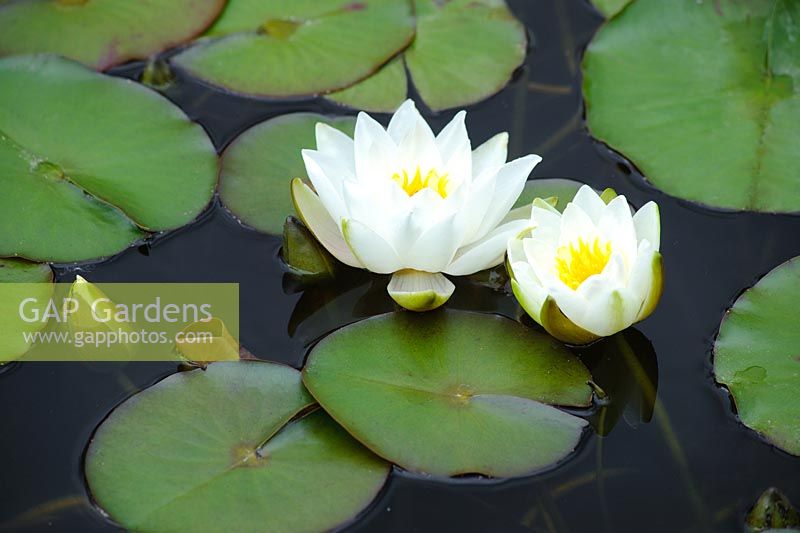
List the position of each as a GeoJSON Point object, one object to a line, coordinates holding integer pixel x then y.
{"type": "Point", "coordinates": [372, 250]}
{"type": "Point", "coordinates": [515, 250]}
{"type": "Point", "coordinates": [319, 222]}
{"type": "Point", "coordinates": [418, 150]}
{"type": "Point", "coordinates": [403, 121]}
{"type": "Point", "coordinates": [641, 278]}
{"type": "Point", "coordinates": [591, 203]}
{"type": "Point", "coordinates": [616, 225]}
{"type": "Point", "coordinates": [575, 224]}
{"type": "Point", "coordinates": [456, 151]}
{"type": "Point", "coordinates": [546, 222]}
{"type": "Point", "coordinates": [420, 291]}
{"type": "Point", "coordinates": [647, 222]}
{"type": "Point", "coordinates": [435, 248]}
{"type": "Point", "coordinates": [328, 188]}
{"type": "Point", "coordinates": [541, 256]}
{"type": "Point", "coordinates": [603, 314]}
{"type": "Point", "coordinates": [333, 143]}
{"type": "Point", "coordinates": [374, 150]}
{"type": "Point", "coordinates": [453, 137]}
{"type": "Point", "coordinates": [478, 198]}
{"type": "Point", "coordinates": [487, 252]}
{"type": "Point", "coordinates": [527, 289]}
{"type": "Point", "coordinates": [510, 182]}
{"type": "Point", "coordinates": [491, 155]}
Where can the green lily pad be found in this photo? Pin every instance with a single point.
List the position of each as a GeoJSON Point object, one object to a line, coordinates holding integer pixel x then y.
{"type": "Point", "coordinates": [38, 283]}
{"type": "Point", "coordinates": [222, 450]}
{"type": "Point", "coordinates": [757, 356]}
{"type": "Point", "coordinates": [704, 97]}
{"type": "Point", "coordinates": [89, 162]}
{"type": "Point", "coordinates": [451, 392]}
{"type": "Point", "coordinates": [464, 52]}
{"type": "Point", "coordinates": [562, 189]}
{"type": "Point", "coordinates": [382, 92]}
{"type": "Point", "coordinates": [609, 8]}
{"type": "Point", "coordinates": [102, 34]}
{"type": "Point", "coordinates": [298, 47]}
{"type": "Point", "coordinates": [259, 165]}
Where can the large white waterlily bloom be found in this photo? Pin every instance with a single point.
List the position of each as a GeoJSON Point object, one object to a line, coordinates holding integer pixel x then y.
{"type": "Point", "coordinates": [404, 201]}
{"type": "Point", "coordinates": [589, 272]}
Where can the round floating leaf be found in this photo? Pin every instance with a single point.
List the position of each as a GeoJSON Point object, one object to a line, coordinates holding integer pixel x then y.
{"type": "Point", "coordinates": [217, 450]}
{"type": "Point", "coordinates": [757, 356]}
{"type": "Point", "coordinates": [561, 189]}
{"type": "Point", "coordinates": [382, 92]}
{"type": "Point", "coordinates": [299, 47]}
{"type": "Point", "coordinates": [87, 160]}
{"type": "Point", "coordinates": [102, 34]}
{"type": "Point", "coordinates": [609, 8]}
{"type": "Point", "coordinates": [19, 271]}
{"type": "Point", "coordinates": [12, 331]}
{"type": "Point", "coordinates": [258, 166]}
{"type": "Point", "coordinates": [704, 97]}
{"type": "Point", "coordinates": [464, 51]}
{"type": "Point", "coordinates": [451, 392]}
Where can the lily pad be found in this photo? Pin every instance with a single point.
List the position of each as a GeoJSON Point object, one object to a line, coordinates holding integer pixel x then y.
{"type": "Point", "coordinates": [31, 280]}
{"type": "Point", "coordinates": [464, 52]}
{"type": "Point", "coordinates": [223, 450]}
{"type": "Point", "coordinates": [451, 392]}
{"type": "Point", "coordinates": [88, 162]}
{"type": "Point", "coordinates": [298, 47]}
{"type": "Point", "coordinates": [704, 97]}
{"type": "Point", "coordinates": [259, 165]}
{"type": "Point", "coordinates": [609, 8]}
{"type": "Point", "coordinates": [561, 189]}
{"type": "Point", "coordinates": [757, 356]}
{"type": "Point", "coordinates": [102, 34]}
{"type": "Point", "coordinates": [382, 92]}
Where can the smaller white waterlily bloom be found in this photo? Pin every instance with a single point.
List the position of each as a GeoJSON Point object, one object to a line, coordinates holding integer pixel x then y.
{"type": "Point", "coordinates": [589, 272]}
{"type": "Point", "coordinates": [406, 202]}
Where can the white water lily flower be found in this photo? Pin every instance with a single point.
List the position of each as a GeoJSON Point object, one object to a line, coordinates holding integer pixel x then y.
{"type": "Point", "coordinates": [589, 272]}
{"type": "Point", "coordinates": [402, 201]}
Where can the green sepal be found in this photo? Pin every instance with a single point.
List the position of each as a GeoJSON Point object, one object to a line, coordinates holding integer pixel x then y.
{"type": "Point", "coordinates": [303, 254]}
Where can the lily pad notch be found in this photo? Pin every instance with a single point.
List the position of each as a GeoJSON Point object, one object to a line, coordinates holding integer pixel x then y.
{"type": "Point", "coordinates": [756, 356]}
{"type": "Point", "coordinates": [303, 41]}
{"type": "Point", "coordinates": [740, 150]}
{"type": "Point", "coordinates": [452, 392]}
{"type": "Point", "coordinates": [238, 446]}
{"type": "Point", "coordinates": [464, 52]}
{"type": "Point", "coordinates": [90, 192]}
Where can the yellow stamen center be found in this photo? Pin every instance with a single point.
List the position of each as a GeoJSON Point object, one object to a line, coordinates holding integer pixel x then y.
{"type": "Point", "coordinates": [577, 261]}
{"type": "Point", "coordinates": [432, 180]}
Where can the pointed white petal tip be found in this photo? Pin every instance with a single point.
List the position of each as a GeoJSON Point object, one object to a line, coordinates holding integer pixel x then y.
{"type": "Point", "coordinates": [420, 291]}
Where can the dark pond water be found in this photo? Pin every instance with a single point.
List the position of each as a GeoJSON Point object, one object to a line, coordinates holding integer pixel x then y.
{"type": "Point", "coordinates": [691, 467]}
